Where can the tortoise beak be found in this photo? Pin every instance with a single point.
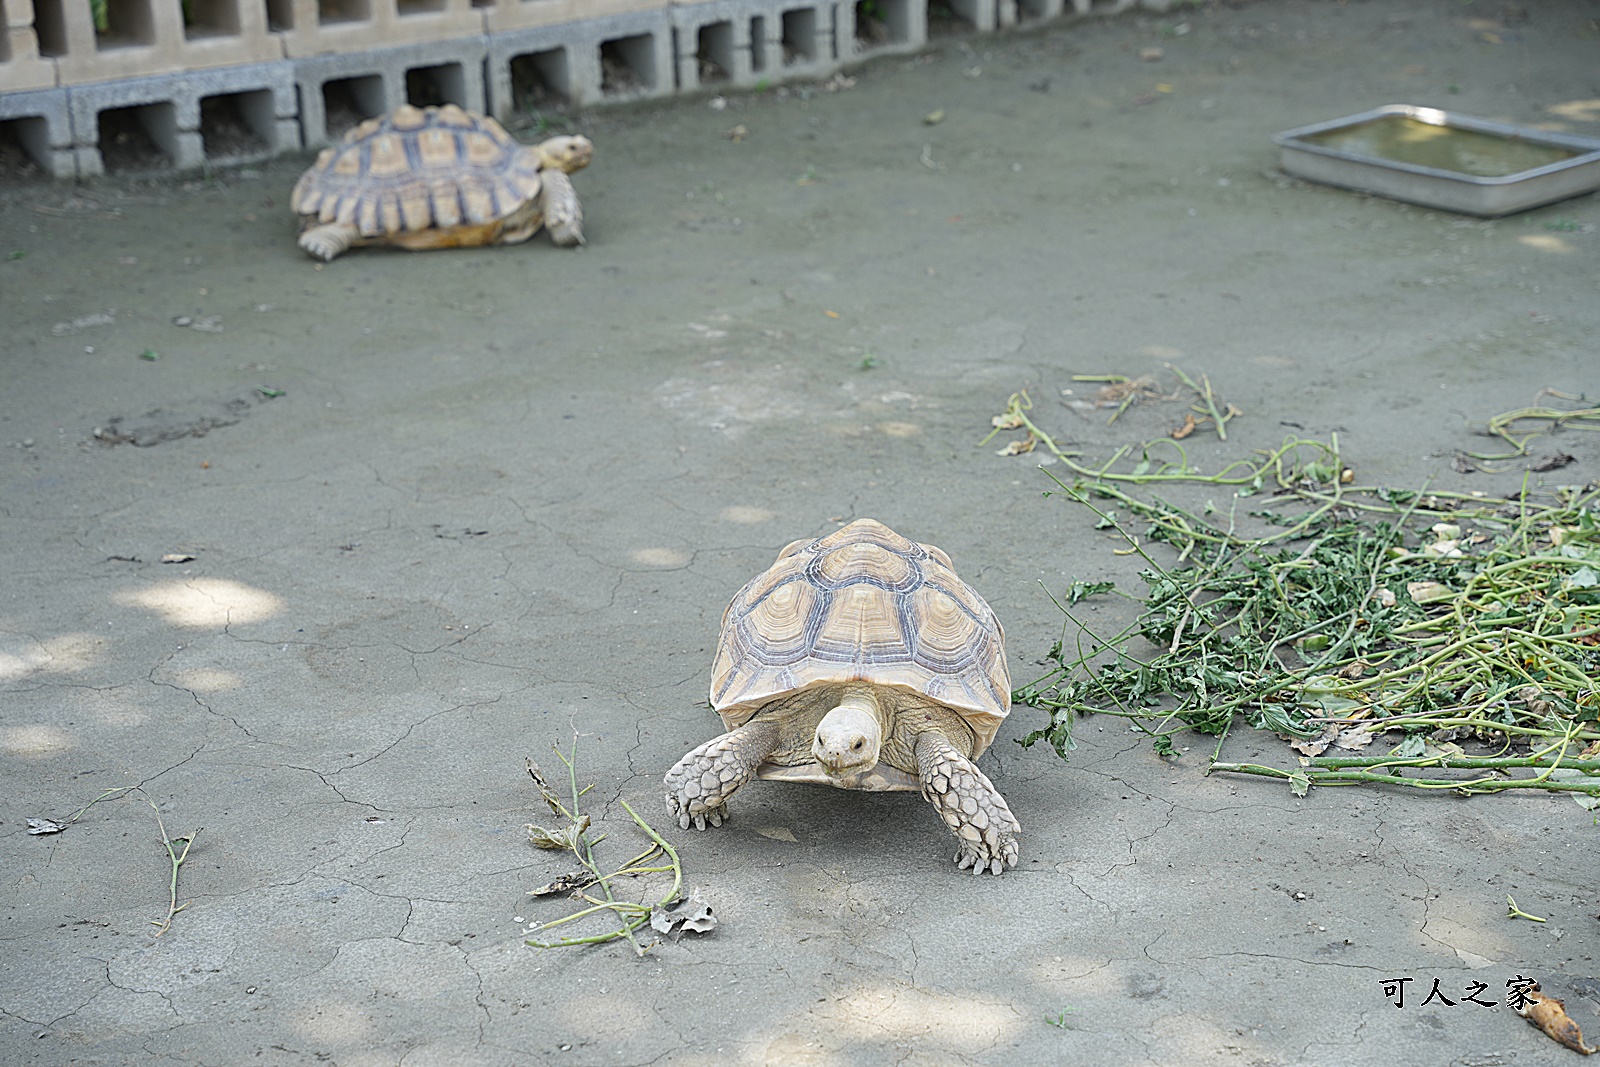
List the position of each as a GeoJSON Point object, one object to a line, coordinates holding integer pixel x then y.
{"type": "Point", "coordinates": [839, 757]}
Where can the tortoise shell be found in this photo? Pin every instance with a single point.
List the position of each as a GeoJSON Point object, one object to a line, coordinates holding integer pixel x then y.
{"type": "Point", "coordinates": [862, 604]}
{"type": "Point", "coordinates": [418, 169]}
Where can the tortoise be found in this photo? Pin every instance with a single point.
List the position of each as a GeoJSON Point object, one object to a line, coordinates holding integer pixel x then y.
{"type": "Point", "coordinates": [859, 660]}
{"type": "Point", "coordinates": [438, 177]}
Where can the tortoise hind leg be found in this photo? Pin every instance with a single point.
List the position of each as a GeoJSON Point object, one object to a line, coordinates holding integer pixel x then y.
{"type": "Point", "coordinates": [329, 239]}
{"type": "Point", "coordinates": [699, 786]}
{"type": "Point", "coordinates": [969, 804]}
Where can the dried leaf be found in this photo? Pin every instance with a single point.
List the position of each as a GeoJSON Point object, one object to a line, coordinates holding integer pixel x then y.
{"type": "Point", "coordinates": [45, 826]}
{"type": "Point", "coordinates": [550, 798]}
{"type": "Point", "coordinates": [1535, 700]}
{"type": "Point", "coordinates": [569, 838]}
{"type": "Point", "coordinates": [777, 833]}
{"type": "Point", "coordinates": [1188, 427]}
{"type": "Point", "coordinates": [1462, 465]}
{"type": "Point", "coordinates": [693, 915]}
{"type": "Point", "coordinates": [1354, 739]}
{"type": "Point", "coordinates": [567, 883]}
{"type": "Point", "coordinates": [177, 557]}
{"type": "Point", "coordinates": [1550, 1015]}
{"type": "Point", "coordinates": [539, 837]}
{"type": "Point", "coordinates": [738, 133]}
{"type": "Point", "coordinates": [1386, 598]}
{"type": "Point", "coordinates": [1428, 592]}
{"type": "Point", "coordinates": [1551, 463]}
{"type": "Point", "coordinates": [1018, 447]}
{"type": "Point", "coordinates": [1009, 421]}
{"type": "Point", "coordinates": [1317, 745]}
{"type": "Point", "coordinates": [1144, 387]}
{"type": "Point", "coordinates": [1151, 54]}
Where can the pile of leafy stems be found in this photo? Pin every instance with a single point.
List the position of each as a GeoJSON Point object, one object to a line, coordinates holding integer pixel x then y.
{"type": "Point", "coordinates": [574, 838]}
{"type": "Point", "coordinates": [1312, 630]}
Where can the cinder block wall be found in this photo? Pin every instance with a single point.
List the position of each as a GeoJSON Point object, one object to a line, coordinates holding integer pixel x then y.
{"type": "Point", "coordinates": [217, 82]}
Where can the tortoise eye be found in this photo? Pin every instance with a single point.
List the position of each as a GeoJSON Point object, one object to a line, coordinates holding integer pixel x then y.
{"type": "Point", "coordinates": [857, 746]}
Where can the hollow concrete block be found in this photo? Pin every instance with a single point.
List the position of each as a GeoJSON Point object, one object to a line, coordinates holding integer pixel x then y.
{"type": "Point", "coordinates": [506, 15]}
{"type": "Point", "coordinates": [568, 57]}
{"type": "Point", "coordinates": [902, 28]}
{"type": "Point", "coordinates": [43, 123]}
{"type": "Point", "coordinates": [716, 34]}
{"type": "Point", "coordinates": [387, 24]}
{"type": "Point", "coordinates": [170, 111]}
{"type": "Point", "coordinates": [23, 68]}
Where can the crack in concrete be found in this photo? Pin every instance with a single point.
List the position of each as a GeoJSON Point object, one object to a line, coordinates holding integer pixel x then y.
{"type": "Point", "coordinates": [1271, 956]}
{"type": "Point", "coordinates": [163, 662]}
{"type": "Point", "coordinates": [330, 785]}
{"type": "Point", "coordinates": [413, 726]}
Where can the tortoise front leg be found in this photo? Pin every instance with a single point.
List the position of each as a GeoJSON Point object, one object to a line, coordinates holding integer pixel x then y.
{"type": "Point", "coordinates": [329, 239]}
{"type": "Point", "coordinates": [699, 786]}
{"type": "Point", "coordinates": [969, 804]}
{"type": "Point", "coordinates": [563, 214]}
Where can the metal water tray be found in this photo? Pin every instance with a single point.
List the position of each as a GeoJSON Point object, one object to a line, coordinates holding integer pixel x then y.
{"type": "Point", "coordinates": [1438, 159]}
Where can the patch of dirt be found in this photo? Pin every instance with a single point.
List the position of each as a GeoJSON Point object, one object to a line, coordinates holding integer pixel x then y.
{"type": "Point", "coordinates": [160, 425]}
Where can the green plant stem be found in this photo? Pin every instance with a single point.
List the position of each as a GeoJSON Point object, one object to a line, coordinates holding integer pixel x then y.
{"type": "Point", "coordinates": [1446, 761]}
{"type": "Point", "coordinates": [630, 916]}
{"type": "Point", "coordinates": [174, 857]}
{"type": "Point", "coordinates": [1476, 785]}
{"type": "Point", "coordinates": [1210, 400]}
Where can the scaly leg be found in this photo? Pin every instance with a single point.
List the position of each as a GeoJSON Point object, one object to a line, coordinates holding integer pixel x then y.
{"type": "Point", "coordinates": [969, 804]}
{"type": "Point", "coordinates": [563, 215]}
{"type": "Point", "coordinates": [699, 786]}
{"type": "Point", "coordinates": [329, 239]}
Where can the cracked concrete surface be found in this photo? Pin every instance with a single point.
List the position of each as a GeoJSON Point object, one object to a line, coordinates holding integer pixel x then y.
{"type": "Point", "coordinates": [507, 494]}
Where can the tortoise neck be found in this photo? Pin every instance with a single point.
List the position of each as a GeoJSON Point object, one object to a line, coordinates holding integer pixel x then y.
{"type": "Point", "coordinates": [862, 697]}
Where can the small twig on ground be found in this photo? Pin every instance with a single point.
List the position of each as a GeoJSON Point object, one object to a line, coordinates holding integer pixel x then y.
{"type": "Point", "coordinates": [1219, 416]}
{"type": "Point", "coordinates": [1514, 912]}
{"type": "Point", "coordinates": [175, 857]}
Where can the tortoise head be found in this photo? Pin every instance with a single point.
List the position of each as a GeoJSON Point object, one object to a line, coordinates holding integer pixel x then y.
{"type": "Point", "coordinates": [847, 740]}
{"type": "Point", "coordinates": [569, 154]}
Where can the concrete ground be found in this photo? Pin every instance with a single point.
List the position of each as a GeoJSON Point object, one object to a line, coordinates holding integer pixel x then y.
{"type": "Point", "coordinates": [500, 497]}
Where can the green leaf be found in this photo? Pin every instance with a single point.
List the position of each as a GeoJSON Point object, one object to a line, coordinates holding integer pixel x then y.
{"type": "Point", "coordinates": [1300, 783]}
{"type": "Point", "coordinates": [269, 393]}
{"type": "Point", "coordinates": [1079, 590]}
{"type": "Point", "coordinates": [1413, 746]}
{"type": "Point", "coordinates": [1586, 801]}
{"type": "Point", "coordinates": [150, 354]}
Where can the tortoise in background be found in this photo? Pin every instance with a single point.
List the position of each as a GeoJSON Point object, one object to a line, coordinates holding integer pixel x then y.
{"type": "Point", "coordinates": [859, 660]}
{"type": "Point", "coordinates": [438, 177]}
